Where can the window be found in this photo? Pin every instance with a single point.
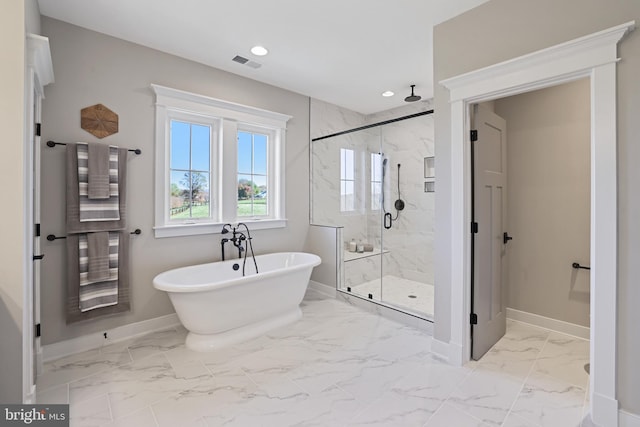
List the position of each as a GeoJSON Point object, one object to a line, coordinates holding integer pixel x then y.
{"type": "Point", "coordinates": [217, 162]}
{"type": "Point", "coordinates": [190, 170]}
{"type": "Point", "coordinates": [347, 180]}
{"type": "Point", "coordinates": [376, 181]}
{"type": "Point", "coordinates": [253, 174]}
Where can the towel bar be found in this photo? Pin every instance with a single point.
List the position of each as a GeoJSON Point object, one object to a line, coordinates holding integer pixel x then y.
{"type": "Point", "coordinates": [52, 237]}
{"type": "Point", "coordinates": [53, 144]}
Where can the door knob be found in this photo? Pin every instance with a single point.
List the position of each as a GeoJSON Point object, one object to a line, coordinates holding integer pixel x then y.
{"type": "Point", "coordinates": [506, 237]}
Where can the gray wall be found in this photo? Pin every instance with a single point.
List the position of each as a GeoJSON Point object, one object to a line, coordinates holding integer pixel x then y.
{"type": "Point", "coordinates": [93, 68]}
{"type": "Point", "coordinates": [548, 200]}
{"type": "Point", "coordinates": [503, 29]}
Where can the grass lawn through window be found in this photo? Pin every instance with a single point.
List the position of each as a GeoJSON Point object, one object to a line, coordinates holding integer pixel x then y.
{"type": "Point", "coordinates": [259, 207]}
{"type": "Point", "coordinates": [201, 211]}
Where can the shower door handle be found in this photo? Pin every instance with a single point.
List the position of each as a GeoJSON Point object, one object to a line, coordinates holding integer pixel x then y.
{"type": "Point", "coordinates": [506, 237]}
{"type": "Point", "coordinates": [387, 220]}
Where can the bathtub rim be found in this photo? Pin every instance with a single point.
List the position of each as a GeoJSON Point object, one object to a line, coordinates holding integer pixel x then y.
{"type": "Point", "coordinates": [163, 285]}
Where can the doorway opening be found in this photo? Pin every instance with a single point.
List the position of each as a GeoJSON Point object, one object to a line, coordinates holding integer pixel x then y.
{"type": "Point", "coordinates": [530, 203]}
{"type": "Point", "coordinates": [593, 56]}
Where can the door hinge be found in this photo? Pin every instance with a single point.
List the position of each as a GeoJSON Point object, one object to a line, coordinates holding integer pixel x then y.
{"type": "Point", "coordinates": [473, 319]}
{"type": "Point", "coordinates": [474, 227]}
{"type": "Point", "coordinates": [37, 330]}
{"type": "Point", "coordinates": [474, 135]}
{"type": "Point", "coordinates": [37, 230]}
{"type": "Point", "coordinates": [38, 129]}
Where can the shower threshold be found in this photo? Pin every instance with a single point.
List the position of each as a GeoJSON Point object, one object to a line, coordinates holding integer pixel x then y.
{"type": "Point", "coordinates": [401, 294]}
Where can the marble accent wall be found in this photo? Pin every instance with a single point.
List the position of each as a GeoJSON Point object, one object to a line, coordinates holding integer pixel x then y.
{"type": "Point", "coordinates": [410, 240]}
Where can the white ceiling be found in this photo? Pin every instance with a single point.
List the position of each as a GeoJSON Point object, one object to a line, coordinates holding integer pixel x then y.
{"type": "Point", "coordinates": [345, 52]}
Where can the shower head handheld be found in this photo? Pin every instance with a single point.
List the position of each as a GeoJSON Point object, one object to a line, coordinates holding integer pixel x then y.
{"type": "Point", "coordinates": [413, 97]}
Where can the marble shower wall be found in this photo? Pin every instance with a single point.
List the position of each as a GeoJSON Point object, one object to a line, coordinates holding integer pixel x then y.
{"type": "Point", "coordinates": [408, 142]}
{"type": "Point", "coordinates": [410, 240]}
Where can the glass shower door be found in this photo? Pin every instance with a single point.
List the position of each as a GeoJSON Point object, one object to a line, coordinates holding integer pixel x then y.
{"type": "Point", "coordinates": [408, 213]}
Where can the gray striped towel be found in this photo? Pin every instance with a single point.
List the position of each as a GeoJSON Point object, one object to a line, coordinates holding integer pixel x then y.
{"type": "Point", "coordinates": [97, 209]}
{"type": "Point", "coordinates": [98, 171]}
{"type": "Point", "coordinates": [104, 291]}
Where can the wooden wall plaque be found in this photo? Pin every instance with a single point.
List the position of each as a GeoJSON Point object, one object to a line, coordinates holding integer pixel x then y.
{"type": "Point", "coordinates": [99, 121]}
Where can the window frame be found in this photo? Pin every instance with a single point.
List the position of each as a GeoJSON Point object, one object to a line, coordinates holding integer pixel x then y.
{"type": "Point", "coordinates": [271, 161]}
{"type": "Point", "coordinates": [343, 169]}
{"type": "Point", "coordinates": [229, 117]}
{"type": "Point", "coordinates": [214, 143]}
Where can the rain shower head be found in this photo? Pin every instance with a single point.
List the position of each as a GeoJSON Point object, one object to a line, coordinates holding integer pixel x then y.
{"type": "Point", "coordinates": [412, 97]}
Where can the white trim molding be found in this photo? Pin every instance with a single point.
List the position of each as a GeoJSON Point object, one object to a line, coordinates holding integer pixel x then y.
{"type": "Point", "coordinates": [593, 56]}
{"type": "Point", "coordinates": [627, 419]}
{"type": "Point", "coordinates": [96, 340]}
{"type": "Point", "coordinates": [549, 323]}
{"type": "Point", "coordinates": [321, 288]}
{"type": "Point", "coordinates": [225, 120]}
{"type": "Point", "coordinates": [39, 58]}
{"type": "Point", "coordinates": [38, 74]}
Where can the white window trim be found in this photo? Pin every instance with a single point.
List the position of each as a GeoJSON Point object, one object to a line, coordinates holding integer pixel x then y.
{"type": "Point", "coordinates": [230, 115]}
{"type": "Point", "coordinates": [274, 163]}
{"type": "Point", "coordinates": [214, 190]}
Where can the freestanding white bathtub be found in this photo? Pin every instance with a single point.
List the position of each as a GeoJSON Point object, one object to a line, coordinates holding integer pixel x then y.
{"type": "Point", "coordinates": [219, 306]}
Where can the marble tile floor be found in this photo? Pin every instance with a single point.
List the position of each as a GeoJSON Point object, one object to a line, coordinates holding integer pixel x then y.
{"type": "Point", "coordinates": [337, 366]}
{"type": "Point", "coordinates": [414, 296]}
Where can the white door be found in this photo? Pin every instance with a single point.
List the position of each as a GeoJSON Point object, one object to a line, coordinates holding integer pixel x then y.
{"type": "Point", "coordinates": [490, 240]}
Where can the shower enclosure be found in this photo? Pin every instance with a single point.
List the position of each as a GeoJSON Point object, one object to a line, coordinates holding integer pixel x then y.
{"type": "Point", "coordinates": [376, 182]}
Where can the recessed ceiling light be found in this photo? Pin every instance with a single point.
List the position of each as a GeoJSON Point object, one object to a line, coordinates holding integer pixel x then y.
{"type": "Point", "coordinates": [259, 50]}
{"type": "Point", "coordinates": [387, 93]}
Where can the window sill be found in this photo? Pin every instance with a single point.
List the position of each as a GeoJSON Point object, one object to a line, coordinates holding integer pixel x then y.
{"type": "Point", "coordinates": [177, 230]}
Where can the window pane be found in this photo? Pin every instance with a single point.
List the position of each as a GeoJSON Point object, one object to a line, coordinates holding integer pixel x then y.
{"type": "Point", "coordinates": [376, 167]}
{"type": "Point", "coordinates": [347, 200]}
{"type": "Point", "coordinates": [349, 165]}
{"type": "Point", "coordinates": [349, 196]}
{"type": "Point", "coordinates": [179, 194]}
{"type": "Point", "coordinates": [259, 154]}
{"type": "Point", "coordinates": [246, 189]}
{"type": "Point", "coordinates": [376, 196]}
{"type": "Point", "coordinates": [260, 200]}
{"type": "Point", "coordinates": [200, 141]}
{"type": "Point", "coordinates": [244, 152]}
{"type": "Point", "coordinates": [189, 195]}
{"type": "Point", "coordinates": [180, 138]}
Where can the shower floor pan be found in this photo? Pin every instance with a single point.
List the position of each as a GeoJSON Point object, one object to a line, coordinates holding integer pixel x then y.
{"type": "Point", "coordinates": [414, 296]}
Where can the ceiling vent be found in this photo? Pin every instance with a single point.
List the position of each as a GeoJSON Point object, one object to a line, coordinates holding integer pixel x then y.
{"type": "Point", "coordinates": [242, 60]}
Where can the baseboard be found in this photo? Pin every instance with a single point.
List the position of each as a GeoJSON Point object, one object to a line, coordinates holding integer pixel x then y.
{"type": "Point", "coordinates": [627, 419]}
{"type": "Point", "coordinates": [326, 290]}
{"type": "Point", "coordinates": [549, 323]}
{"type": "Point", "coordinates": [96, 340]}
{"type": "Point", "coordinates": [604, 410]}
{"type": "Point", "coordinates": [440, 349]}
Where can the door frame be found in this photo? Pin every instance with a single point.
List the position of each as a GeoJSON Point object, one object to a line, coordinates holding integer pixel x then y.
{"type": "Point", "coordinates": [39, 73]}
{"type": "Point", "coordinates": [593, 56]}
